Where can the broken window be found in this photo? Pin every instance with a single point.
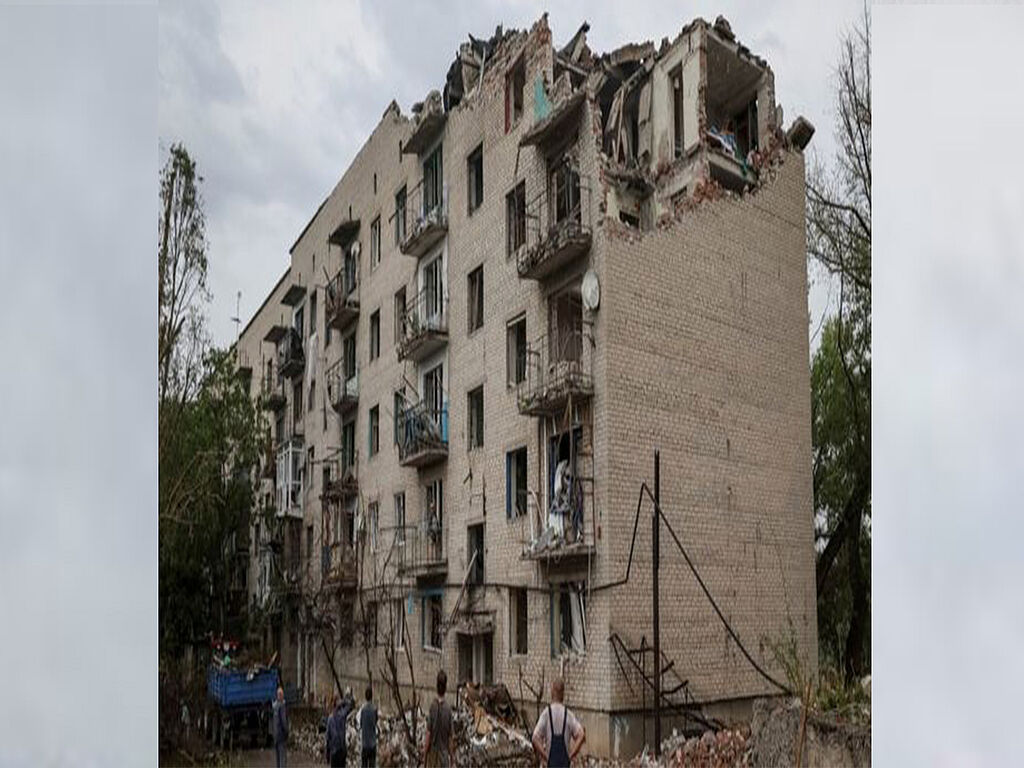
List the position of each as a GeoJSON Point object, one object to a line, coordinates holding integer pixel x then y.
{"type": "Point", "coordinates": [400, 516]}
{"type": "Point", "coordinates": [375, 335]}
{"type": "Point", "coordinates": [475, 549]}
{"type": "Point", "coordinates": [515, 85]}
{"type": "Point", "coordinates": [375, 243]}
{"type": "Point", "coordinates": [515, 349]}
{"type": "Point", "coordinates": [398, 623]}
{"type": "Point", "coordinates": [475, 175]}
{"type": "Point", "coordinates": [433, 289]}
{"type": "Point", "coordinates": [476, 418]}
{"type": "Point", "coordinates": [433, 182]}
{"type": "Point", "coordinates": [399, 315]}
{"type": "Point", "coordinates": [676, 78]}
{"type": "Point", "coordinates": [348, 354]}
{"type": "Point", "coordinates": [351, 270]}
{"type": "Point", "coordinates": [312, 312]}
{"type": "Point", "coordinates": [374, 447]}
{"type": "Point", "coordinates": [433, 621]}
{"type": "Point", "coordinates": [348, 445]}
{"type": "Point", "coordinates": [297, 407]}
{"type": "Point", "coordinates": [565, 326]}
{"type": "Point", "coordinates": [475, 311]}
{"type": "Point", "coordinates": [399, 407]}
{"type": "Point", "coordinates": [370, 624]}
{"type": "Point", "coordinates": [400, 216]}
{"type": "Point", "coordinates": [518, 620]}
{"type": "Point", "coordinates": [434, 512]}
{"type": "Point", "coordinates": [515, 218]}
{"type": "Point", "coordinates": [564, 192]}
{"type": "Point", "coordinates": [515, 482]}
{"type": "Point", "coordinates": [433, 392]}
{"type": "Point", "coordinates": [372, 510]}
{"type": "Point", "coordinates": [568, 618]}
{"type": "Point", "coordinates": [565, 491]}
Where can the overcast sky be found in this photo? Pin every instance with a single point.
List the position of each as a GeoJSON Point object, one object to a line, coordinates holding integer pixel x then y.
{"type": "Point", "coordinates": [274, 104]}
{"type": "Point", "coordinates": [78, 529]}
{"type": "Point", "coordinates": [274, 100]}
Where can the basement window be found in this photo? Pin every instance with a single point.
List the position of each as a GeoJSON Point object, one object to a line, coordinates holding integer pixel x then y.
{"type": "Point", "coordinates": [517, 621]}
{"type": "Point", "coordinates": [568, 618]}
{"type": "Point", "coordinates": [515, 86]}
{"type": "Point", "coordinates": [475, 174]}
{"type": "Point", "coordinates": [475, 310]}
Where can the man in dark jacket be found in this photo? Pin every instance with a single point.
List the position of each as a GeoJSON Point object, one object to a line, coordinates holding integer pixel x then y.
{"type": "Point", "coordinates": [368, 731]}
{"type": "Point", "coordinates": [337, 747]}
{"type": "Point", "coordinates": [280, 726]}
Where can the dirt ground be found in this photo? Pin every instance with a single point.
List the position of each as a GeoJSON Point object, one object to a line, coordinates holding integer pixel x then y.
{"type": "Point", "coordinates": [240, 758]}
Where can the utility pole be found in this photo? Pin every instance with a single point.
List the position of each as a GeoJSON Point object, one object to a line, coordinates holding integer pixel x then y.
{"type": "Point", "coordinates": [655, 564]}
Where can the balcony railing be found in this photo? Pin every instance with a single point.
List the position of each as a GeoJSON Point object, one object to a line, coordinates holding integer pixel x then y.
{"type": "Point", "coordinates": [343, 297]}
{"type": "Point", "coordinates": [291, 360]}
{"type": "Point", "coordinates": [290, 476]}
{"type": "Point", "coordinates": [426, 220]}
{"type": "Point", "coordinates": [342, 388]}
{"type": "Point", "coordinates": [424, 326]}
{"type": "Point", "coordinates": [558, 368]}
{"type": "Point", "coordinates": [558, 225]}
{"type": "Point", "coordinates": [340, 565]}
{"type": "Point", "coordinates": [271, 388]}
{"type": "Point", "coordinates": [422, 435]}
{"type": "Point", "coordinates": [423, 549]}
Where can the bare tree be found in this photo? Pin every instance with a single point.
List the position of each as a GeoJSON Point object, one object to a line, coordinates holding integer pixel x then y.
{"type": "Point", "coordinates": [839, 238]}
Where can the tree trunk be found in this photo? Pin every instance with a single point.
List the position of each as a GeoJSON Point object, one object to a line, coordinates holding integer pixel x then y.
{"type": "Point", "coordinates": [854, 655]}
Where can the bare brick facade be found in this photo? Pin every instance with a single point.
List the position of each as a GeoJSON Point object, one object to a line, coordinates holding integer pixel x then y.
{"type": "Point", "coordinates": [697, 346]}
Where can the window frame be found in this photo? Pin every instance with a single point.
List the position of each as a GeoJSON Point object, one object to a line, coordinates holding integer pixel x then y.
{"type": "Point", "coordinates": [475, 299]}
{"type": "Point", "coordinates": [475, 179]}
{"type": "Point", "coordinates": [475, 426]}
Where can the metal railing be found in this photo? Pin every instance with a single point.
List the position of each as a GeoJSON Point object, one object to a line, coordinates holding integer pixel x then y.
{"type": "Point", "coordinates": [342, 292]}
{"type": "Point", "coordinates": [425, 216]}
{"type": "Point", "coordinates": [426, 317]}
{"type": "Point", "coordinates": [558, 366]}
{"type": "Point", "coordinates": [423, 546]}
{"type": "Point", "coordinates": [558, 222]}
{"type": "Point", "coordinates": [291, 359]}
{"type": "Point", "coordinates": [343, 475]}
{"type": "Point", "coordinates": [271, 387]}
{"type": "Point", "coordinates": [339, 563]}
{"type": "Point", "coordinates": [422, 428]}
{"type": "Point", "coordinates": [342, 386]}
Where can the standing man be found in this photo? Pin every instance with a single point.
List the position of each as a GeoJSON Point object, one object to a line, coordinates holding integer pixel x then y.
{"type": "Point", "coordinates": [280, 721]}
{"type": "Point", "coordinates": [439, 746]}
{"type": "Point", "coordinates": [337, 748]}
{"type": "Point", "coordinates": [368, 730]}
{"type": "Point", "coordinates": [558, 736]}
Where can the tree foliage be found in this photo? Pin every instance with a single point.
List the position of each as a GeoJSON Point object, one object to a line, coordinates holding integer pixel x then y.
{"type": "Point", "coordinates": [209, 428]}
{"type": "Point", "coordinates": [839, 238]}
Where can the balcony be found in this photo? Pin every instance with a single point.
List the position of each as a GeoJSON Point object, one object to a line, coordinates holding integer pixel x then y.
{"type": "Point", "coordinates": [343, 478]}
{"type": "Point", "coordinates": [422, 436]}
{"type": "Point", "coordinates": [290, 477]}
{"type": "Point", "coordinates": [557, 371]}
{"type": "Point", "coordinates": [429, 119]}
{"type": "Point", "coordinates": [291, 360]}
{"type": "Point", "coordinates": [424, 327]}
{"type": "Point", "coordinates": [558, 226]}
{"type": "Point", "coordinates": [343, 298]}
{"type": "Point", "coordinates": [271, 388]}
{"type": "Point", "coordinates": [342, 388]}
{"type": "Point", "coordinates": [428, 222]}
{"type": "Point", "coordinates": [422, 551]}
{"type": "Point", "coordinates": [340, 565]}
{"type": "Point", "coordinates": [564, 539]}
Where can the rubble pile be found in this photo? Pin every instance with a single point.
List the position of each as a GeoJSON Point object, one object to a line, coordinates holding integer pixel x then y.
{"type": "Point", "coordinates": [727, 748]}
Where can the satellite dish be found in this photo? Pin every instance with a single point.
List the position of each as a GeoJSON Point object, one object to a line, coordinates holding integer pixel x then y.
{"type": "Point", "coordinates": [590, 291]}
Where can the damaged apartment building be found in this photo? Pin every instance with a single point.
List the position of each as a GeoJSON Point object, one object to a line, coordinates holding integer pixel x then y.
{"type": "Point", "coordinates": [559, 262]}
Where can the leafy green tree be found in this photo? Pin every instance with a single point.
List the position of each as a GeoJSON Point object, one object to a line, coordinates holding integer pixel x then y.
{"type": "Point", "coordinates": [839, 238]}
{"type": "Point", "coordinates": [208, 432]}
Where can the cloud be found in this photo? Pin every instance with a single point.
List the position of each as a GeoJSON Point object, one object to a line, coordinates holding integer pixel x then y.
{"type": "Point", "coordinates": [275, 100]}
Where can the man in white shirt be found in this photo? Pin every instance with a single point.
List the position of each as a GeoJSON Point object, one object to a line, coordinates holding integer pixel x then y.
{"type": "Point", "coordinates": [558, 735]}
